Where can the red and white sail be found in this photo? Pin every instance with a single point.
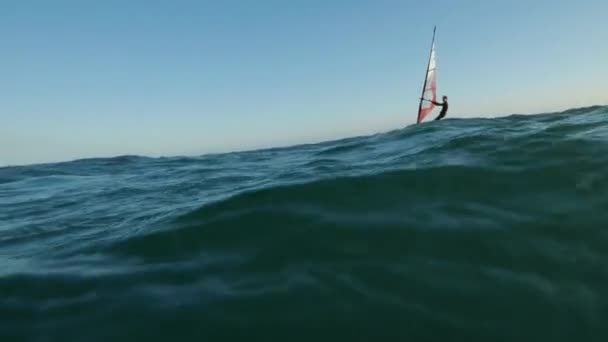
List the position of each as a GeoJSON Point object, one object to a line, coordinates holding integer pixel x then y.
{"type": "Point", "coordinates": [429, 90]}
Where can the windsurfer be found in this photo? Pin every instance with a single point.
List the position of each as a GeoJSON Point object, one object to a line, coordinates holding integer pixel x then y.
{"type": "Point", "coordinates": [444, 107]}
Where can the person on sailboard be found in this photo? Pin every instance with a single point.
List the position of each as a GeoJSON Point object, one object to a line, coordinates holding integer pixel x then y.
{"type": "Point", "coordinates": [444, 107]}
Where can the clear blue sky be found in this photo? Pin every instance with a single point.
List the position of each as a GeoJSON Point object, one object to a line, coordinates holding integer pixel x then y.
{"type": "Point", "coordinates": [103, 78]}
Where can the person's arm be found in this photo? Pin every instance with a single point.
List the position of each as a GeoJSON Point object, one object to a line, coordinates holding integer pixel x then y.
{"type": "Point", "coordinates": [434, 102]}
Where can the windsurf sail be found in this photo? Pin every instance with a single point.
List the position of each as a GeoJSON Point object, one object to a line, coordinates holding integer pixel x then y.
{"type": "Point", "coordinates": [429, 89]}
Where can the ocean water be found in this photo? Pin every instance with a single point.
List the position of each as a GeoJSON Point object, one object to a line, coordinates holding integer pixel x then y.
{"type": "Point", "coordinates": [458, 230]}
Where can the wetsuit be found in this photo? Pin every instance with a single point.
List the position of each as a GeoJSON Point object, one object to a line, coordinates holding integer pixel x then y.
{"type": "Point", "coordinates": [444, 109]}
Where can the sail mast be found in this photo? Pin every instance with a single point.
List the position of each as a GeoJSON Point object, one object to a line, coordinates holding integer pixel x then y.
{"type": "Point", "coordinates": [426, 75]}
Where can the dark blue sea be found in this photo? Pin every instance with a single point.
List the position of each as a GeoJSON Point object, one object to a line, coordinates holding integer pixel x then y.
{"type": "Point", "coordinates": [457, 230]}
